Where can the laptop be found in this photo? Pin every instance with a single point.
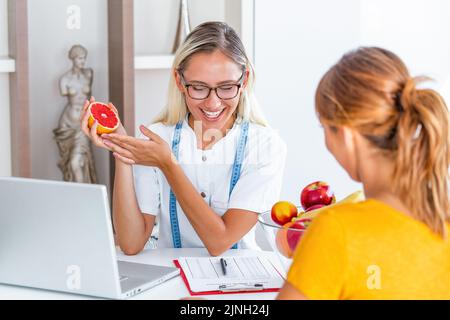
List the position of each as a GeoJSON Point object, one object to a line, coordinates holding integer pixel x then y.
{"type": "Point", "coordinates": [58, 236]}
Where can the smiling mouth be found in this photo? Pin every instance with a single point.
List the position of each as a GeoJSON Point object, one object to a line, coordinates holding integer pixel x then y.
{"type": "Point", "coordinates": [212, 115]}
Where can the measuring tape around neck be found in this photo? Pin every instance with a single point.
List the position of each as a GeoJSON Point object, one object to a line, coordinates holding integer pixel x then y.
{"type": "Point", "coordinates": [235, 174]}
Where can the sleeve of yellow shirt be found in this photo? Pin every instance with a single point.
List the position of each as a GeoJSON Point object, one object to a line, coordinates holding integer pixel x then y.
{"type": "Point", "coordinates": [320, 261]}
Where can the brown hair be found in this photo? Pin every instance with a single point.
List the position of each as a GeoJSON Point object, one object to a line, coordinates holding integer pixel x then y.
{"type": "Point", "coordinates": [370, 89]}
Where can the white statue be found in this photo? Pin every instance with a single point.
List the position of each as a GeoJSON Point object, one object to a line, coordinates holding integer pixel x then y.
{"type": "Point", "coordinates": [77, 162]}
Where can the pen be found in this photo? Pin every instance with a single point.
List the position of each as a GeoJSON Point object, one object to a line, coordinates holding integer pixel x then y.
{"type": "Point", "coordinates": [241, 287]}
{"type": "Point", "coordinates": [223, 263]}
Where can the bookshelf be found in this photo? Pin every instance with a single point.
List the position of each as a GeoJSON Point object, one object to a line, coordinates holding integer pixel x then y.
{"type": "Point", "coordinates": [7, 65]}
{"type": "Point", "coordinates": [153, 62]}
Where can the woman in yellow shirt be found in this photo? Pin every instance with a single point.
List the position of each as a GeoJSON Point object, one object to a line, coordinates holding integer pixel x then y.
{"type": "Point", "coordinates": [394, 138]}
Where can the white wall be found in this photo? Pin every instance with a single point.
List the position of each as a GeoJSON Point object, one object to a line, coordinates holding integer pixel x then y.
{"type": "Point", "coordinates": [50, 41]}
{"type": "Point", "coordinates": [421, 37]}
{"type": "Point", "coordinates": [293, 48]}
{"type": "Point", "coordinates": [5, 132]}
{"type": "Point", "coordinates": [3, 28]}
{"type": "Point", "coordinates": [297, 41]}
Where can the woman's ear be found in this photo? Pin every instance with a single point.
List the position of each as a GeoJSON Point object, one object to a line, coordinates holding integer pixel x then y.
{"type": "Point", "coordinates": [340, 141]}
{"type": "Point", "coordinates": [347, 136]}
{"type": "Point", "coordinates": [177, 77]}
{"type": "Point", "coordinates": [246, 75]}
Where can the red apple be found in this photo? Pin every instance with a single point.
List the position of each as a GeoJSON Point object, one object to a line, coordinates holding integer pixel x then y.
{"type": "Point", "coordinates": [283, 212]}
{"type": "Point", "coordinates": [294, 236]}
{"type": "Point", "coordinates": [316, 193]}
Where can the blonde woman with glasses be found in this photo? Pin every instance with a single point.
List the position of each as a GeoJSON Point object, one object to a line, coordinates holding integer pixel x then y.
{"type": "Point", "coordinates": [208, 164]}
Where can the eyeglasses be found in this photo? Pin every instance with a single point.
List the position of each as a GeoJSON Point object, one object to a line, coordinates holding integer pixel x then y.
{"type": "Point", "coordinates": [224, 92]}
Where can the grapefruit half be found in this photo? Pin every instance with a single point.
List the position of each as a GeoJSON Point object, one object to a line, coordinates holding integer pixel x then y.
{"type": "Point", "coordinates": [107, 118]}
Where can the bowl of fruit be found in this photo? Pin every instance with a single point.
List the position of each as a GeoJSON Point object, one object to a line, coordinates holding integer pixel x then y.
{"type": "Point", "coordinates": [285, 224]}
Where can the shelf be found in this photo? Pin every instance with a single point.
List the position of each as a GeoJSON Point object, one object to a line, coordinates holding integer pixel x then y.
{"type": "Point", "coordinates": [153, 62]}
{"type": "Point", "coordinates": [7, 65]}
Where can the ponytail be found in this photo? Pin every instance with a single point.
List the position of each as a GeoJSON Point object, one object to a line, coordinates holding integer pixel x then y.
{"type": "Point", "coordinates": [422, 161]}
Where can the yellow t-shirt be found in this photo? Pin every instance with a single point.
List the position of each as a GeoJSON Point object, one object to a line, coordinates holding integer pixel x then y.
{"type": "Point", "coordinates": [369, 250]}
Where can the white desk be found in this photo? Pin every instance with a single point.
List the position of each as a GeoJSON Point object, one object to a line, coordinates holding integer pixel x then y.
{"type": "Point", "coordinates": [170, 290]}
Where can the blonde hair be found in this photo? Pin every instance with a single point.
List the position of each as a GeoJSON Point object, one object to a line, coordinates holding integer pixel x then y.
{"type": "Point", "coordinates": [209, 37]}
{"type": "Point", "coordinates": [371, 90]}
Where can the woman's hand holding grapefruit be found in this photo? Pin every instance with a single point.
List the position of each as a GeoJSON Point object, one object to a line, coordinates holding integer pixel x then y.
{"type": "Point", "coordinates": [107, 121]}
{"type": "Point", "coordinates": [100, 122]}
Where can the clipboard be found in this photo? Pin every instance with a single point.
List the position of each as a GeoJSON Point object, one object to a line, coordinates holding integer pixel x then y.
{"type": "Point", "coordinates": [270, 279]}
